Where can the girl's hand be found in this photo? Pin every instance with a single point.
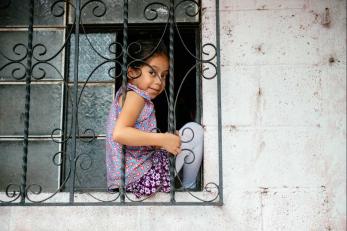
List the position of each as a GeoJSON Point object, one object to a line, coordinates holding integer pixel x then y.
{"type": "Point", "coordinates": [171, 143]}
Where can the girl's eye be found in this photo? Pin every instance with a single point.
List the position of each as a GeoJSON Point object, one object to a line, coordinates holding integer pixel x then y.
{"type": "Point", "coordinates": [152, 73]}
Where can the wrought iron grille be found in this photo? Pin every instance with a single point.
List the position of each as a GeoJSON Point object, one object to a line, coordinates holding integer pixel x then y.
{"type": "Point", "coordinates": [60, 64]}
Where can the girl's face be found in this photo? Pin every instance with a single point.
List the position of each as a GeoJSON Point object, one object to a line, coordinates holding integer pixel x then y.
{"type": "Point", "coordinates": [152, 76]}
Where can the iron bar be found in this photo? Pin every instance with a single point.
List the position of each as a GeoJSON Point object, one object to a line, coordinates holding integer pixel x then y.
{"type": "Point", "coordinates": [219, 98]}
{"type": "Point", "coordinates": [198, 81]}
{"type": "Point", "coordinates": [27, 103]}
{"type": "Point", "coordinates": [171, 119]}
{"type": "Point", "coordinates": [117, 204]}
{"type": "Point", "coordinates": [124, 88]}
{"type": "Point", "coordinates": [74, 132]}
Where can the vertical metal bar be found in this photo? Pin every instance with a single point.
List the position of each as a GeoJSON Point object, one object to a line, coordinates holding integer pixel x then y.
{"type": "Point", "coordinates": [64, 52]}
{"type": "Point", "coordinates": [27, 102]}
{"type": "Point", "coordinates": [171, 98]}
{"type": "Point", "coordinates": [75, 106]}
{"type": "Point", "coordinates": [198, 98]}
{"type": "Point", "coordinates": [124, 88]}
{"type": "Point", "coordinates": [220, 144]}
{"type": "Point", "coordinates": [198, 41]}
{"type": "Point", "coordinates": [65, 98]}
{"type": "Point", "coordinates": [198, 78]}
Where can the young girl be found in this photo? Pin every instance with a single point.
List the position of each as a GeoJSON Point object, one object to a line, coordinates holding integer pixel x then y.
{"type": "Point", "coordinates": [134, 124]}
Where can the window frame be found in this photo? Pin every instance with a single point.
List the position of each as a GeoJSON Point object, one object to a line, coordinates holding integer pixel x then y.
{"type": "Point", "coordinates": [71, 195]}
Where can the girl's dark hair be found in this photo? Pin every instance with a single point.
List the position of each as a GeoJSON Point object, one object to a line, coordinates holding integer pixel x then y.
{"type": "Point", "coordinates": [141, 50]}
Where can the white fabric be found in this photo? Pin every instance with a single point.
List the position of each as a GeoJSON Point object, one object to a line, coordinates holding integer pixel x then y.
{"type": "Point", "coordinates": [194, 133]}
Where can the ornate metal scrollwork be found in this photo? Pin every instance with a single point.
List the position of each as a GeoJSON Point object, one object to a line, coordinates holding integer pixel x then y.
{"type": "Point", "coordinates": [57, 10]}
{"type": "Point", "coordinates": [12, 191]}
{"type": "Point", "coordinates": [192, 9]}
{"type": "Point", "coordinates": [101, 6]}
{"type": "Point", "coordinates": [19, 69]}
{"type": "Point", "coordinates": [152, 10]}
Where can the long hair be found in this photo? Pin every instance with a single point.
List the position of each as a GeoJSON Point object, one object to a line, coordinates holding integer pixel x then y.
{"type": "Point", "coordinates": [142, 50]}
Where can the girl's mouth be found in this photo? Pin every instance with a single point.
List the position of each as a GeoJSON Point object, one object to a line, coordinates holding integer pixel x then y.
{"type": "Point", "coordinates": [156, 90]}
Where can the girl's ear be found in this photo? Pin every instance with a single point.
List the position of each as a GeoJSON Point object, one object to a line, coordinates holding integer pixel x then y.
{"type": "Point", "coordinates": [133, 73]}
{"type": "Point", "coordinates": [130, 72]}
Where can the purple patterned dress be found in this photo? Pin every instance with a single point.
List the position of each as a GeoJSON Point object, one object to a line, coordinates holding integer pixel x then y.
{"type": "Point", "coordinates": [146, 168]}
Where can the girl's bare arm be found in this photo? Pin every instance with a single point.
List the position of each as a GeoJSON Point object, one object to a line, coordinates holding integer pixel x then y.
{"type": "Point", "coordinates": [125, 133]}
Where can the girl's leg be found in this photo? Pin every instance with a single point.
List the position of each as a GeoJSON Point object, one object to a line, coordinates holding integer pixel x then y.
{"type": "Point", "coordinates": [191, 156]}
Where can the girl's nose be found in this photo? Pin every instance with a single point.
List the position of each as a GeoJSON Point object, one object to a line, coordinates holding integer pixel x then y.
{"type": "Point", "coordinates": [158, 80]}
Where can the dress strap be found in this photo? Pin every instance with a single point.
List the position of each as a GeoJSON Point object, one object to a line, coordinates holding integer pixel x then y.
{"type": "Point", "coordinates": [139, 91]}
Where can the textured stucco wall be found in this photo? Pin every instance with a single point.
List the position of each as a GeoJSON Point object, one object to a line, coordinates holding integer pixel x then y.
{"type": "Point", "coordinates": [284, 129]}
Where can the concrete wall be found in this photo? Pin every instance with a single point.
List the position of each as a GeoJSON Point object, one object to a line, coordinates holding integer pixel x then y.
{"type": "Point", "coordinates": [284, 129]}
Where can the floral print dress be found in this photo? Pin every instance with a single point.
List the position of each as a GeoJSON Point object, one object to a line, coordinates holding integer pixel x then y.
{"type": "Point", "coordinates": [146, 168]}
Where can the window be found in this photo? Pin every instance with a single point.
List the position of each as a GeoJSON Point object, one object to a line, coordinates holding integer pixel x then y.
{"type": "Point", "coordinates": [38, 83]}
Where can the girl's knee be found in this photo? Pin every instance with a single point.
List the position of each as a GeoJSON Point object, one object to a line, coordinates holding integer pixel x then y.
{"type": "Point", "coordinates": [198, 130]}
